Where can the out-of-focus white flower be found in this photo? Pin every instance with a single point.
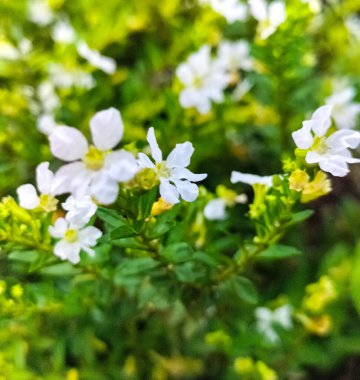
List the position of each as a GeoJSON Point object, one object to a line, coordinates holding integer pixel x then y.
{"type": "Point", "coordinates": [63, 78]}
{"type": "Point", "coordinates": [331, 152]}
{"type": "Point", "coordinates": [353, 25]}
{"type": "Point", "coordinates": [49, 186]}
{"type": "Point", "coordinates": [11, 52]}
{"type": "Point", "coordinates": [63, 32]}
{"type": "Point", "coordinates": [234, 56]}
{"type": "Point", "coordinates": [232, 10]}
{"type": "Point", "coordinates": [46, 124]}
{"type": "Point", "coordinates": [266, 319]}
{"type": "Point", "coordinates": [79, 210]}
{"type": "Point", "coordinates": [203, 81]}
{"type": "Point", "coordinates": [269, 16]}
{"type": "Point", "coordinates": [251, 179]}
{"type": "Point", "coordinates": [345, 112]}
{"type": "Point", "coordinates": [73, 240]}
{"type": "Point", "coordinates": [314, 5]}
{"type": "Point", "coordinates": [39, 12]}
{"type": "Point", "coordinates": [216, 208]}
{"type": "Point", "coordinates": [106, 64]}
{"type": "Point", "coordinates": [97, 168]}
{"type": "Point", "coordinates": [47, 96]}
{"type": "Point", "coordinates": [241, 89]}
{"type": "Point", "coordinates": [175, 179]}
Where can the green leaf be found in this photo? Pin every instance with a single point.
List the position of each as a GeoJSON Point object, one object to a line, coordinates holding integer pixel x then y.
{"type": "Point", "coordinates": [177, 252]}
{"type": "Point", "coordinates": [122, 232]}
{"type": "Point", "coordinates": [355, 279]}
{"type": "Point", "coordinates": [278, 252]}
{"type": "Point", "coordinates": [240, 287]}
{"type": "Point", "coordinates": [188, 272]}
{"type": "Point", "coordinates": [134, 266]}
{"type": "Point", "coordinates": [25, 256]}
{"type": "Point", "coordinates": [111, 217]}
{"type": "Point", "coordinates": [299, 217]}
{"type": "Point", "coordinates": [146, 202]}
{"type": "Point", "coordinates": [61, 269]}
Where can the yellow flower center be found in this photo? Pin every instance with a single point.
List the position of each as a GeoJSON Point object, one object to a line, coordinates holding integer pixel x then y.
{"type": "Point", "coordinates": [162, 170]}
{"type": "Point", "coordinates": [48, 203]}
{"type": "Point", "coordinates": [71, 236]}
{"type": "Point", "coordinates": [94, 158]}
{"type": "Point", "coordinates": [319, 145]}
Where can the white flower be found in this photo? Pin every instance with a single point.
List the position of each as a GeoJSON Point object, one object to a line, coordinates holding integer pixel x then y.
{"type": "Point", "coordinates": [251, 179]}
{"type": "Point", "coordinates": [330, 152]}
{"type": "Point", "coordinates": [39, 12]}
{"type": "Point", "coordinates": [106, 64]}
{"type": "Point", "coordinates": [269, 16]}
{"type": "Point", "coordinates": [73, 240]}
{"type": "Point", "coordinates": [63, 32]}
{"type": "Point", "coordinates": [204, 82]}
{"type": "Point", "coordinates": [63, 78]}
{"type": "Point", "coordinates": [232, 10]}
{"type": "Point", "coordinates": [79, 210]}
{"type": "Point", "coordinates": [215, 209]}
{"type": "Point", "coordinates": [241, 89]}
{"type": "Point", "coordinates": [234, 56]}
{"type": "Point", "coordinates": [97, 169]}
{"type": "Point", "coordinates": [267, 319]}
{"type": "Point", "coordinates": [344, 111]}
{"type": "Point", "coordinates": [175, 179]}
{"type": "Point", "coordinates": [48, 98]}
{"type": "Point", "coordinates": [314, 5]}
{"type": "Point", "coordinates": [49, 186]}
{"type": "Point", "coordinates": [46, 124]}
{"type": "Point", "coordinates": [353, 25]}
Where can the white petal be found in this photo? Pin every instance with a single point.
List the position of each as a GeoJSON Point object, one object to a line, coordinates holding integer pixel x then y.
{"type": "Point", "coordinates": [59, 228]}
{"type": "Point", "coordinates": [277, 13]}
{"type": "Point", "coordinates": [169, 192]}
{"type": "Point", "coordinates": [107, 128]}
{"type": "Point", "coordinates": [303, 137]}
{"type": "Point", "coordinates": [183, 173]}
{"type": "Point", "coordinates": [322, 120]}
{"type": "Point", "coordinates": [154, 147]}
{"type": "Point", "coordinates": [144, 161]}
{"type": "Point", "coordinates": [313, 157]}
{"type": "Point", "coordinates": [28, 197]}
{"type": "Point", "coordinates": [215, 209]}
{"type": "Point", "coordinates": [121, 165]}
{"type": "Point", "coordinates": [258, 9]}
{"type": "Point", "coordinates": [46, 124]}
{"type": "Point", "coordinates": [343, 139]}
{"type": "Point", "coordinates": [185, 74]}
{"type": "Point", "coordinates": [188, 190]}
{"type": "Point", "coordinates": [104, 189]}
{"type": "Point", "coordinates": [334, 165]}
{"type": "Point", "coordinates": [88, 236]}
{"type": "Point", "coordinates": [180, 156]}
{"type": "Point", "coordinates": [69, 178]}
{"type": "Point", "coordinates": [68, 143]}
{"type": "Point", "coordinates": [68, 251]}
{"type": "Point", "coordinates": [251, 179]}
{"type": "Point", "coordinates": [44, 178]}
{"type": "Point", "coordinates": [79, 210]}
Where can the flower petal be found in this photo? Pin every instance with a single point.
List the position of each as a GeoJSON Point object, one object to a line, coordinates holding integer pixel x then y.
{"type": "Point", "coordinates": [68, 143]}
{"type": "Point", "coordinates": [183, 173]}
{"type": "Point", "coordinates": [28, 197]}
{"type": "Point", "coordinates": [343, 139]}
{"type": "Point", "coordinates": [251, 179]}
{"type": "Point", "coordinates": [59, 228]}
{"type": "Point", "coordinates": [188, 190]}
{"type": "Point", "coordinates": [70, 177]}
{"type": "Point", "coordinates": [88, 236]}
{"type": "Point", "coordinates": [215, 209]}
{"type": "Point", "coordinates": [79, 210]}
{"type": "Point", "coordinates": [303, 137]}
{"type": "Point", "coordinates": [44, 178]}
{"type": "Point", "coordinates": [180, 156]}
{"type": "Point", "coordinates": [169, 192]}
{"type": "Point", "coordinates": [154, 147]}
{"type": "Point", "coordinates": [322, 120]}
{"type": "Point", "coordinates": [107, 128]}
{"type": "Point", "coordinates": [68, 251]}
{"type": "Point", "coordinates": [104, 188]}
{"type": "Point", "coordinates": [144, 161]}
{"type": "Point", "coordinates": [121, 165]}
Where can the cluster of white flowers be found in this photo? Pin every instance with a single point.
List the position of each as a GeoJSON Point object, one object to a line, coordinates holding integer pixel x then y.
{"type": "Point", "coordinates": [269, 16]}
{"type": "Point", "coordinates": [93, 174]}
{"type": "Point", "coordinates": [323, 146]}
{"type": "Point", "coordinates": [205, 78]}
